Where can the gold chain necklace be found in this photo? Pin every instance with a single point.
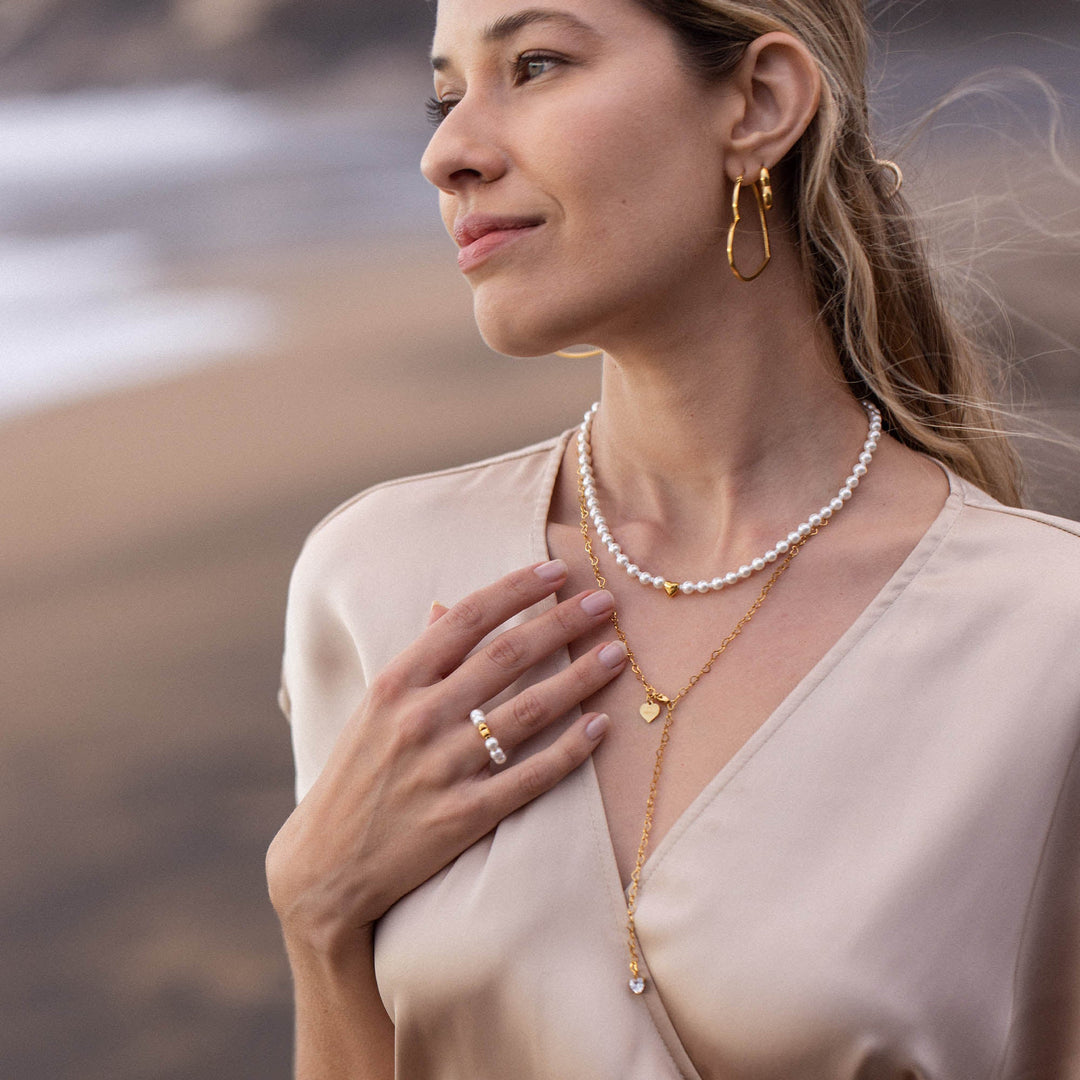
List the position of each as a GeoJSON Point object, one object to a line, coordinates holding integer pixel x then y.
{"type": "Point", "coordinates": [650, 710]}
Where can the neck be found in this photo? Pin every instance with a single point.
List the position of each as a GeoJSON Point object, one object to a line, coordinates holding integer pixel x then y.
{"type": "Point", "coordinates": [706, 447]}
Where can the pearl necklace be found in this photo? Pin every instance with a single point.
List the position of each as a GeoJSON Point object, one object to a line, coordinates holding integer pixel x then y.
{"type": "Point", "coordinates": [733, 577]}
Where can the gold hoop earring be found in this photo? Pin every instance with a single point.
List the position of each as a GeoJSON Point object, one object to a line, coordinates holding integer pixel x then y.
{"type": "Point", "coordinates": [763, 196]}
{"type": "Point", "coordinates": [891, 166]}
{"type": "Point", "coordinates": [579, 355]}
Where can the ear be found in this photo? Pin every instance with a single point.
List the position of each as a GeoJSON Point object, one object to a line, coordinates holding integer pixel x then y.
{"type": "Point", "coordinates": [778, 87]}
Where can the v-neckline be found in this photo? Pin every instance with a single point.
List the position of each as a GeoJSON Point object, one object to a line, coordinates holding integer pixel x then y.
{"type": "Point", "coordinates": [821, 670]}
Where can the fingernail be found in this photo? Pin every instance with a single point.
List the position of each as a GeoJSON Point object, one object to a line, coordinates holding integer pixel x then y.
{"type": "Point", "coordinates": [612, 654]}
{"type": "Point", "coordinates": [551, 571]}
{"type": "Point", "coordinates": [596, 603]}
{"type": "Point", "coordinates": [597, 726]}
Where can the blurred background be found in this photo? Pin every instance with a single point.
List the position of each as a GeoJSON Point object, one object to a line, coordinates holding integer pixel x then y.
{"type": "Point", "coordinates": [226, 304]}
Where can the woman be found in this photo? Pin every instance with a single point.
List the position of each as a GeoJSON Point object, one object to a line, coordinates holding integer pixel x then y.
{"type": "Point", "coordinates": [822, 823]}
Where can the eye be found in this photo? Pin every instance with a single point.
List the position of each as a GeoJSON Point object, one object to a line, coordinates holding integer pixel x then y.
{"type": "Point", "coordinates": [438, 109]}
{"type": "Point", "coordinates": [530, 66]}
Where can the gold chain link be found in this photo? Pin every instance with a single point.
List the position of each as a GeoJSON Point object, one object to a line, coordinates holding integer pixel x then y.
{"type": "Point", "coordinates": [654, 696]}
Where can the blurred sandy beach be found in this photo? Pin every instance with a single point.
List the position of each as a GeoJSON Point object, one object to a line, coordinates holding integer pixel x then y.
{"type": "Point", "coordinates": [149, 533]}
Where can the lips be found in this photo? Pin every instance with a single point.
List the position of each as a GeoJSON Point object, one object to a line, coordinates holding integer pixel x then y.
{"type": "Point", "coordinates": [480, 235]}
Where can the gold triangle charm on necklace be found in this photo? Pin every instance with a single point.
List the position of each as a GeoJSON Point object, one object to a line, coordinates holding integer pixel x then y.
{"type": "Point", "coordinates": [671, 588]}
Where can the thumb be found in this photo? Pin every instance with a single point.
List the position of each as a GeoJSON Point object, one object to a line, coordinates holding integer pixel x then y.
{"type": "Point", "coordinates": [436, 613]}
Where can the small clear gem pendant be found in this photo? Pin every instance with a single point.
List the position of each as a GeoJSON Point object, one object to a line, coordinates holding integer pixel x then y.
{"type": "Point", "coordinates": [637, 984]}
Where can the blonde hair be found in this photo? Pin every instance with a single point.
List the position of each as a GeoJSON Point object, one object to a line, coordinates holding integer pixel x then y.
{"type": "Point", "coordinates": [898, 341]}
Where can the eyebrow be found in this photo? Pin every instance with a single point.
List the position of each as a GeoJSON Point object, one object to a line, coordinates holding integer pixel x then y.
{"type": "Point", "coordinates": [509, 25]}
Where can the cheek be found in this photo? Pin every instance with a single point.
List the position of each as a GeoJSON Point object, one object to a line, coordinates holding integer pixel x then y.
{"type": "Point", "coordinates": [628, 170]}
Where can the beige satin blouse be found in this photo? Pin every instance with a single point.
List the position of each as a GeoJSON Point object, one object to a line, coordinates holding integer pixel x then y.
{"type": "Point", "coordinates": [883, 883]}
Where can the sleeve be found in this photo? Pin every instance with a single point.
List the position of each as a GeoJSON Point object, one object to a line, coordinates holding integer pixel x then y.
{"type": "Point", "coordinates": [1044, 1038]}
{"type": "Point", "coordinates": [322, 677]}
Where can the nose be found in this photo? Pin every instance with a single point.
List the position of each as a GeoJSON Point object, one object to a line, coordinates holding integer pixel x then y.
{"type": "Point", "coordinates": [464, 150]}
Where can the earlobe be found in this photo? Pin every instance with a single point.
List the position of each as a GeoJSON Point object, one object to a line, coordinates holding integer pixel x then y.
{"type": "Point", "coordinates": [779, 83]}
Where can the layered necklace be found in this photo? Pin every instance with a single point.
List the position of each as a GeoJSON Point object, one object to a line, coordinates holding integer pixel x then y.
{"type": "Point", "coordinates": [784, 552]}
{"type": "Point", "coordinates": [732, 577]}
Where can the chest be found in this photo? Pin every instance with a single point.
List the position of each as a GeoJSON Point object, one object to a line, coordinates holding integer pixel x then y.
{"type": "Point", "coordinates": [727, 661]}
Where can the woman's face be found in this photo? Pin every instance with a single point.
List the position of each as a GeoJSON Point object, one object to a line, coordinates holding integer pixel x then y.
{"type": "Point", "coordinates": [580, 168]}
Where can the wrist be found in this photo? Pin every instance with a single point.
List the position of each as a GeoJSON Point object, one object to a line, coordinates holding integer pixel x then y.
{"type": "Point", "coordinates": [330, 951]}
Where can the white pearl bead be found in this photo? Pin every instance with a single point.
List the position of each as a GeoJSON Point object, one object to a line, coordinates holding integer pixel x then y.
{"type": "Point", "coordinates": [499, 757]}
{"type": "Point", "coordinates": [477, 717]}
{"type": "Point", "coordinates": [492, 743]}
{"type": "Point", "coordinates": [592, 508]}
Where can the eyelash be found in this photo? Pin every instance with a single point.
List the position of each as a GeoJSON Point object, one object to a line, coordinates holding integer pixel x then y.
{"type": "Point", "coordinates": [438, 109]}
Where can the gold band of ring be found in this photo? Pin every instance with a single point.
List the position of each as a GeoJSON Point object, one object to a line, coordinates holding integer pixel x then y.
{"type": "Point", "coordinates": [497, 753]}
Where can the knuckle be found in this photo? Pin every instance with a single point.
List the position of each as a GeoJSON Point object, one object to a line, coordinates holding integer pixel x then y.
{"type": "Point", "coordinates": [388, 686]}
{"type": "Point", "coordinates": [519, 583]}
{"type": "Point", "coordinates": [565, 616]}
{"type": "Point", "coordinates": [466, 614]}
{"type": "Point", "coordinates": [528, 710]}
{"type": "Point", "coordinates": [412, 730]}
{"type": "Point", "coordinates": [569, 755]}
{"type": "Point", "coordinates": [506, 651]}
{"type": "Point", "coordinates": [533, 777]}
{"type": "Point", "coordinates": [583, 679]}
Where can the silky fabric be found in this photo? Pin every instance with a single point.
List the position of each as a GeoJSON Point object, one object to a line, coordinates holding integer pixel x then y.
{"type": "Point", "coordinates": [883, 883]}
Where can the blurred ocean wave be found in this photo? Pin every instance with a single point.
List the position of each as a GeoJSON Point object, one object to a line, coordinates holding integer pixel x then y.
{"type": "Point", "coordinates": [85, 314]}
{"type": "Point", "coordinates": [103, 192]}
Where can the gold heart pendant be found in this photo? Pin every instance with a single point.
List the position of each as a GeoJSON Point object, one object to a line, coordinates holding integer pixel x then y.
{"type": "Point", "coordinates": [671, 588]}
{"type": "Point", "coordinates": [649, 711]}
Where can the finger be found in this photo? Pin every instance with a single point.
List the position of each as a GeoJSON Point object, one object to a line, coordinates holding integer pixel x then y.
{"type": "Point", "coordinates": [513, 787]}
{"type": "Point", "coordinates": [515, 651]}
{"type": "Point", "coordinates": [436, 613]}
{"type": "Point", "coordinates": [538, 705]}
{"type": "Point", "coordinates": [444, 644]}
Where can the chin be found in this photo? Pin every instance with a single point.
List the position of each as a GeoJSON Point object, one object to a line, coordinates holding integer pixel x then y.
{"type": "Point", "coordinates": [508, 332]}
{"type": "Point", "coordinates": [516, 328]}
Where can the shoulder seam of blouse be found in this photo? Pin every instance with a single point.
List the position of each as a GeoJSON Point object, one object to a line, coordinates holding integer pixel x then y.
{"type": "Point", "coordinates": [977, 499]}
{"type": "Point", "coordinates": [540, 448]}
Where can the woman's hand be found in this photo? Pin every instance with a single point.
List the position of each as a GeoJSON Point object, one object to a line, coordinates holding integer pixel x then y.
{"type": "Point", "coordinates": [409, 784]}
